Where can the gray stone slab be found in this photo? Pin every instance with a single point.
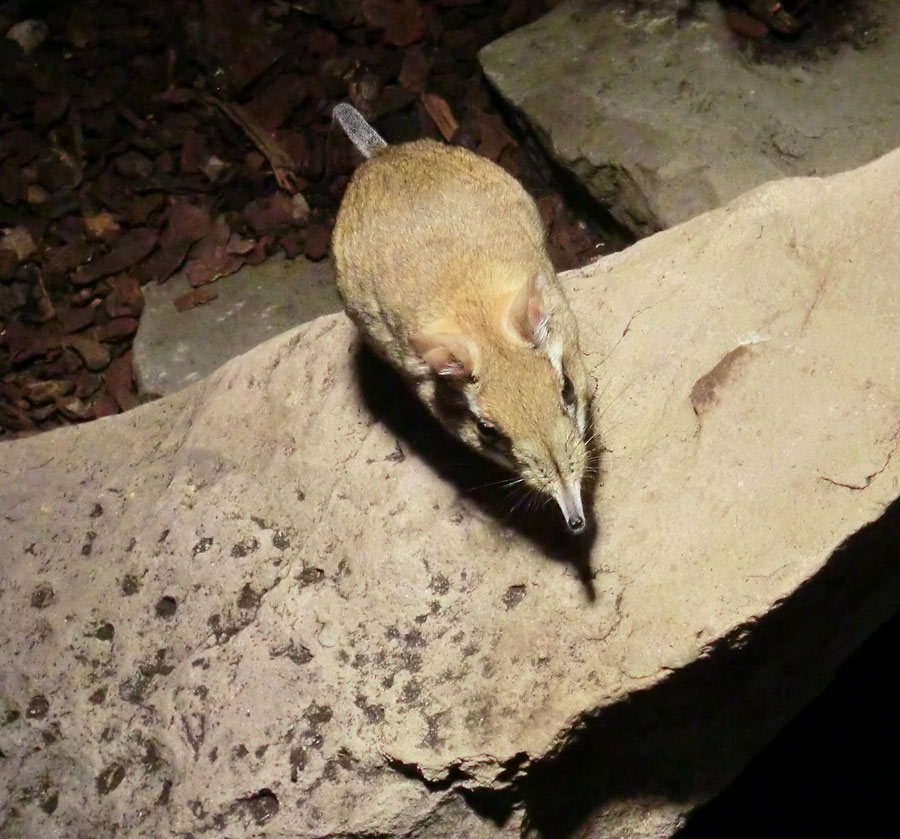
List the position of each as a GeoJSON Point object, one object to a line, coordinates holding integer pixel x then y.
{"type": "Point", "coordinates": [173, 349]}
{"type": "Point", "coordinates": [664, 116]}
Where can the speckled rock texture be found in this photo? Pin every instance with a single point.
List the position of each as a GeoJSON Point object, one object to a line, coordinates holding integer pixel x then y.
{"type": "Point", "coordinates": [281, 603]}
{"type": "Point", "coordinates": [663, 113]}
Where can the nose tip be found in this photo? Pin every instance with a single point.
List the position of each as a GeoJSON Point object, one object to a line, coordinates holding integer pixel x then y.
{"type": "Point", "coordinates": [569, 499]}
{"type": "Point", "coordinates": [576, 523]}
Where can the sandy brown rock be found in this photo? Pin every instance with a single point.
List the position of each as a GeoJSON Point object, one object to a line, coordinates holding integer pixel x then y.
{"type": "Point", "coordinates": [271, 600]}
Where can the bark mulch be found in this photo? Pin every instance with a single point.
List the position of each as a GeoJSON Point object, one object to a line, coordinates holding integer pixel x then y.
{"type": "Point", "coordinates": [138, 140]}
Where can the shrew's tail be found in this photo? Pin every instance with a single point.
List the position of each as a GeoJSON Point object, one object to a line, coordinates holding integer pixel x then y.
{"type": "Point", "coordinates": [361, 134]}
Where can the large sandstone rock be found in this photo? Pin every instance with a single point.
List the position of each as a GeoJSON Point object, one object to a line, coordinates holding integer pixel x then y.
{"type": "Point", "coordinates": [661, 113]}
{"type": "Point", "coordinates": [270, 604]}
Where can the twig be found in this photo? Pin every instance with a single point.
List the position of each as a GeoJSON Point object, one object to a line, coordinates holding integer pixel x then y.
{"type": "Point", "coordinates": [280, 161]}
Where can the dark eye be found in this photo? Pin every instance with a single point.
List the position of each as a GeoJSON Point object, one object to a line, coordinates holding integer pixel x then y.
{"type": "Point", "coordinates": [488, 433]}
{"type": "Point", "coordinates": [568, 391]}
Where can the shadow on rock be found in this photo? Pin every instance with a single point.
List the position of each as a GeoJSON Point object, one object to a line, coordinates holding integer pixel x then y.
{"type": "Point", "coordinates": [681, 741]}
{"type": "Point", "coordinates": [393, 403]}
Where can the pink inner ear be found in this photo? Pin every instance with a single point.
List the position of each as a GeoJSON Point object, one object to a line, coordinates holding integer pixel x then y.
{"type": "Point", "coordinates": [446, 354]}
{"type": "Point", "coordinates": [526, 315]}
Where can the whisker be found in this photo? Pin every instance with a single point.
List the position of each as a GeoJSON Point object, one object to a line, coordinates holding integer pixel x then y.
{"type": "Point", "coordinates": [502, 482]}
{"type": "Point", "coordinates": [614, 426]}
{"type": "Point", "coordinates": [598, 397]}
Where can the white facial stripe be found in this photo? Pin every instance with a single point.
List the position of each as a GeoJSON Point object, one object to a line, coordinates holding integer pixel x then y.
{"type": "Point", "coordinates": [471, 403]}
{"type": "Point", "coordinates": [554, 352]}
{"type": "Point", "coordinates": [541, 331]}
{"type": "Point", "coordinates": [582, 419]}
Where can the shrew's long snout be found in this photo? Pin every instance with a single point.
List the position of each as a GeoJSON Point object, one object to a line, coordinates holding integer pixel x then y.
{"type": "Point", "coordinates": [568, 497]}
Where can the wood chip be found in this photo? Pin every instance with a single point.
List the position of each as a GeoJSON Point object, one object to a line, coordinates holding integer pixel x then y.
{"type": "Point", "coordinates": [125, 299]}
{"type": "Point", "coordinates": [280, 161]}
{"type": "Point", "coordinates": [42, 392]}
{"type": "Point", "coordinates": [745, 24]}
{"type": "Point", "coordinates": [493, 134]}
{"type": "Point", "coordinates": [210, 258]}
{"type": "Point", "coordinates": [127, 251]}
{"type": "Point", "coordinates": [318, 238]}
{"type": "Point", "coordinates": [105, 406]}
{"type": "Point", "coordinates": [116, 329]}
{"type": "Point", "coordinates": [94, 355]}
{"type": "Point", "coordinates": [402, 20]}
{"type": "Point", "coordinates": [195, 297]}
{"type": "Point", "coordinates": [440, 113]}
{"type": "Point", "coordinates": [415, 69]}
{"type": "Point", "coordinates": [119, 380]}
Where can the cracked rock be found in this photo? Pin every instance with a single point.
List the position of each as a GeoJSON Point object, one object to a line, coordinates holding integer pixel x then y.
{"type": "Point", "coordinates": [234, 607]}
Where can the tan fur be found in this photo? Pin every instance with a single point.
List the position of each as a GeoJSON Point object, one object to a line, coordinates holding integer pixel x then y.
{"type": "Point", "coordinates": [441, 264]}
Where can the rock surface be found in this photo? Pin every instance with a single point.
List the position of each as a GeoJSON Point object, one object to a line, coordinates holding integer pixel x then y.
{"type": "Point", "coordinates": [172, 349]}
{"type": "Point", "coordinates": [272, 602]}
{"type": "Point", "coordinates": [662, 114]}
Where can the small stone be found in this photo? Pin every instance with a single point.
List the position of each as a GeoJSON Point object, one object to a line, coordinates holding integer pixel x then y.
{"type": "Point", "coordinates": [75, 409]}
{"type": "Point", "coordinates": [213, 167]}
{"type": "Point", "coordinates": [18, 240]}
{"type": "Point", "coordinates": [110, 778]}
{"type": "Point", "coordinates": [101, 226]}
{"type": "Point", "coordinates": [42, 596]}
{"type": "Point", "coordinates": [166, 607]}
{"type": "Point", "coordinates": [28, 34]}
{"type": "Point", "coordinates": [37, 708]}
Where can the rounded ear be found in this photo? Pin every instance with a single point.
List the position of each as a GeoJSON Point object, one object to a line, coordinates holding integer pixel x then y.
{"type": "Point", "coordinates": [447, 354]}
{"type": "Point", "coordinates": [526, 316]}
